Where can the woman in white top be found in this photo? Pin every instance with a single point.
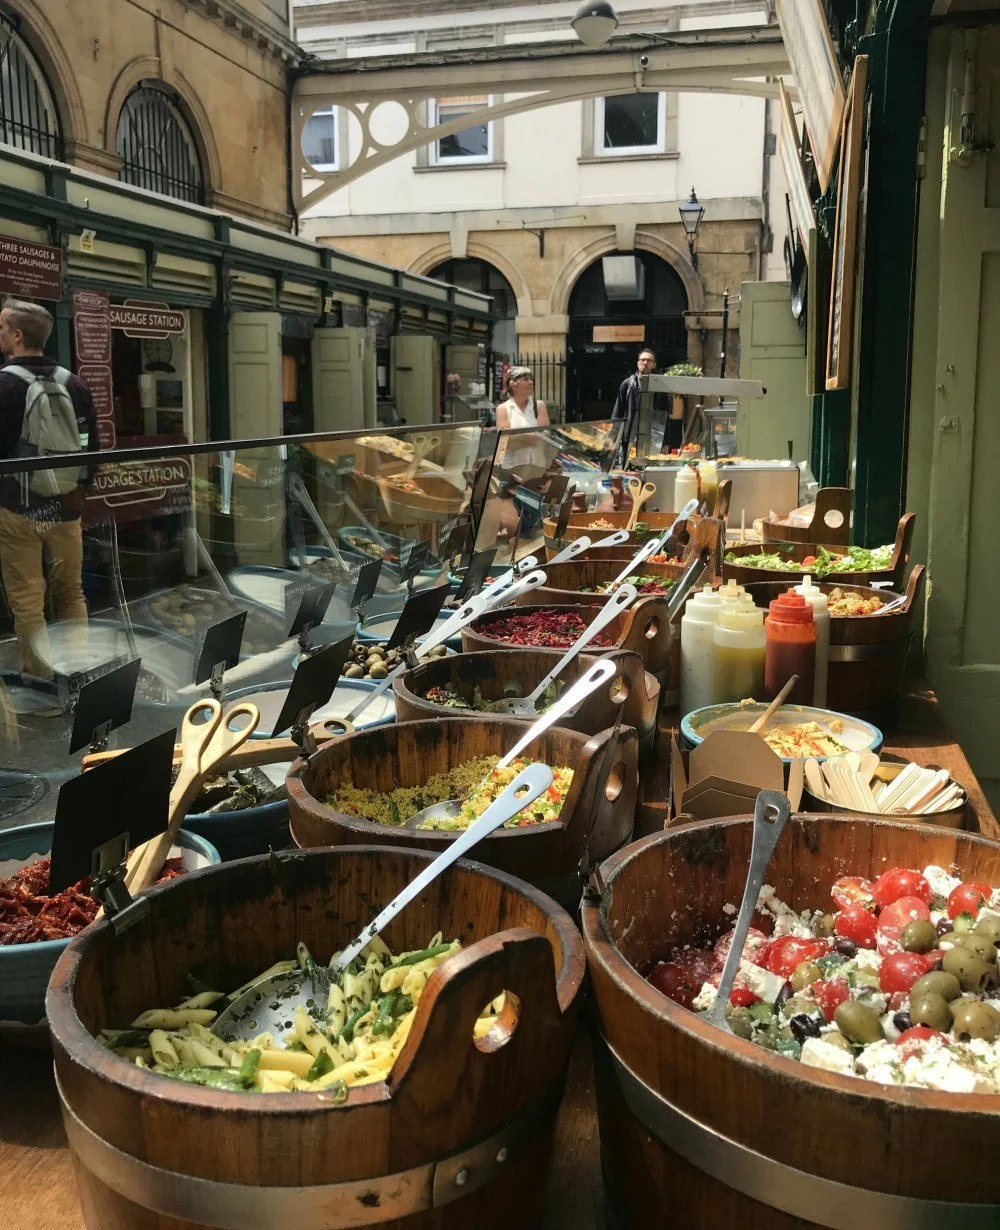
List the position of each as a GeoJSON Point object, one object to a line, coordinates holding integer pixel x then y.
{"type": "Point", "coordinates": [520, 409]}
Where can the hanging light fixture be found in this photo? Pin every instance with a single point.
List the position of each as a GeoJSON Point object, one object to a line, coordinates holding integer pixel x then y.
{"type": "Point", "coordinates": [595, 22]}
{"type": "Point", "coordinates": [692, 212]}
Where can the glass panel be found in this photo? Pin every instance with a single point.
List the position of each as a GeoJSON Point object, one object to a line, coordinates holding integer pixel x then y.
{"type": "Point", "coordinates": [319, 140]}
{"type": "Point", "coordinates": [631, 121]}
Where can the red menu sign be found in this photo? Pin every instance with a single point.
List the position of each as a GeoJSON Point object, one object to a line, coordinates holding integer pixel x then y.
{"type": "Point", "coordinates": [138, 318]}
{"type": "Point", "coordinates": [92, 334]}
{"type": "Point", "coordinates": [133, 490]}
{"type": "Point", "coordinates": [30, 269]}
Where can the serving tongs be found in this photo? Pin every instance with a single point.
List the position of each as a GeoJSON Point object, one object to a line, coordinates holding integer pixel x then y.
{"type": "Point", "coordinates": [270, 1003]}
{"type": "Point", "coordinates": [655, 545]}
{"type": "Point", "coordinates": [599, 673]}
{"type": "Point", "coordinates": [583, 543]}
{"type": "Point", "coordinates": [770, 815]}
{"type": "Point", "coordinates": [526, 706]}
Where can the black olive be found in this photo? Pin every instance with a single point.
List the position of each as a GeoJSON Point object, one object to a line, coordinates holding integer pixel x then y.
{"type": "Point", "coordinates": [804, 1026]}
{"type": "Point", "coordinates": [846, 948]}
{"type": "Point", "coordinates": [783, 996]}
{"type": "Point", "coordinates": [944, 926]}
{"type": "Point", "coordinates": [902, 1022]}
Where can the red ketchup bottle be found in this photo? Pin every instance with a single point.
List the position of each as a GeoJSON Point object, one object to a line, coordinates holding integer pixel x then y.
{"type": "Point", "coordinates": [790, 648]}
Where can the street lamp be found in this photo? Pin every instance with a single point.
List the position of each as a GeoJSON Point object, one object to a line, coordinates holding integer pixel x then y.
{"type": "Point", "coordinates": [692, 212]}
{"type": "Point", "coordinates": [595, 22]}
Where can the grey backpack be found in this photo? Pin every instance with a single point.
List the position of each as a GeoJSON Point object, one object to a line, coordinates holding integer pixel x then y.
{"type": "Point", "coordinates": [49, 428]}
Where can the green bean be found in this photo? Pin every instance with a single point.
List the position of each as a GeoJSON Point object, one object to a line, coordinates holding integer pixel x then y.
{"type": "Point", "coordinates": [347, 1033]}
{"type": "Point", "coordinates": [386, 1012]}
{"type": "Point", "coordinates": [414, 958]}
{"type": "Point", "coordinates": [248, 1068]}
{"type": "Point", "coordinates": [320, 1066]}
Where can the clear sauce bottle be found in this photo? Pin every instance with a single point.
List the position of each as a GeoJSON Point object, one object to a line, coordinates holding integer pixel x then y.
{"type": "Point", "coordinates": [740, 643]}
{"type": "Point", "coordinates": [708, 474]}
{"type": "Point", "coordinates": [821, 614]}
{"type": "Point", "coordinates": [730, 591]}
{"type": "Point", "coordinates": [698, 649]}
{"type": "Point", "coordinates": [685, 487]}
{"type": "Point", "coordinates": [790, 648]}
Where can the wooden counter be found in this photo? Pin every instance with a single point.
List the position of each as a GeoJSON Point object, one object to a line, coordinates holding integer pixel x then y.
{"type": "Point", "coordinates": [38, 1191]}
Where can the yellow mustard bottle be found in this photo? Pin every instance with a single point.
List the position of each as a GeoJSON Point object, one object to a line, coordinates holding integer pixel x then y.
{"type": "Point", "coordinates": [739, 652]}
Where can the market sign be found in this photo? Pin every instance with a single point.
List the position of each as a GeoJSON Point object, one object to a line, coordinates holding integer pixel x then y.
{"type": "Point", "coordinates": [92, 347]}
{"type": "Point", "coordinates": [31, 269]}
{"type": "Point", "coordinates": [813, 58]}
{"type": "Point", "coordinates": [139, 489]}
{"type": "Point", "coordinates": [619, 333]}
{"type": "Point", "coordinates": [137, 318]}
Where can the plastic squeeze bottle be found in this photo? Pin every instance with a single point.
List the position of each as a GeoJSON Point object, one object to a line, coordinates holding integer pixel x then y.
{"type": "Point", "coordinates": [790, 649]}
{"type": "Point", "coordinates": [698, 649]}
{"type": "Point", "coordinates": [685, 487]}
{"type": "Point", "coordinates": [731, 591]}
{"type": "Point", "coordinates": [821, 614]}
{"type": "Point", "coordinates": [708, 473]}
{"type": "Point", "coordinates": [739, 651]}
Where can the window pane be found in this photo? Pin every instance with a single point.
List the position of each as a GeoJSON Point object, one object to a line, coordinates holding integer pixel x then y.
{"type": "Point", "coordinates": [470, 143]}
{"type": "Point", "coordinates": [319, 139]}
{"type": "Point", "coordinates": [631, 120]}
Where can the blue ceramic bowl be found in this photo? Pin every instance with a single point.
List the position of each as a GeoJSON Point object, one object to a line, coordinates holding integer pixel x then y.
{"type": "Point", "coordinates": [856, 735]}
{"type": "Point", "coordinates": [25, 969]}
{"type": "Point", "coordinates": [385, 624]}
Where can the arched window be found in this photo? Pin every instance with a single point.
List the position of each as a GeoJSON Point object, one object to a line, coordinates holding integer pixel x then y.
{"type": "Point", "coordinates": [157, 146]}
{"type": "Point", "coordinates": [28, 116]}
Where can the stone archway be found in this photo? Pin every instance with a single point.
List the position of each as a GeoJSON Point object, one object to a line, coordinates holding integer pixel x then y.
{"type": "Point", "coordinates": [442, 252]}
{"type": "Point", "coordinates": [604, 245]}
{"type": "Point", "coordinates": [58, 69]}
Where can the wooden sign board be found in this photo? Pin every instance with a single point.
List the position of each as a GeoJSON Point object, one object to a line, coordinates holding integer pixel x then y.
{"type": "Point", "coordinates": [619, 333]}
{"type": "Point", "coordinates": [790, 152]}
{"type": "Point", "coordinates": [841, 336]}
{"type": "Point", "coordinates": [813, 58]}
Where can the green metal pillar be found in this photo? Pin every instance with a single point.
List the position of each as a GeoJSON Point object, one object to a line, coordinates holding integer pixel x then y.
{"type": "Point", "coordinates": [898, 50]}
{"type": "Point", "coordinates": [217, 348]}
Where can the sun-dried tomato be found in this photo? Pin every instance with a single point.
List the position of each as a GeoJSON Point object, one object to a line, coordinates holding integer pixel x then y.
{"type": "Point", "coordinates": [539, 626]}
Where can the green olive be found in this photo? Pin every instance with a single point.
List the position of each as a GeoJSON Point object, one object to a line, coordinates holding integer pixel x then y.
{"type": "Point", "coordinates": [804, 975]}
{"type": "Point", "coordinates": [857, 1022]}
{"type": "Point", "coordinates": [990, 926]}
{"type": "Point", "coordinates": [833, 1038]}
{"type": "Point", "coordinates": [378, 671]}
{"type": "Point", "coordinates": [795, 1005]}
{"type": "Point", "coordinates": [355, 671]}
{"type": "Point", "coordinates": [972, 972]}
{"type": "Point", "coordinates": [938, 983]}
{"type": "Point", "coordinates": [981, 945]}
{"type": "Point", "coordinates": [741, 1027]}
{"type": "Point", "coordinates": [823, 925]}
{"type": "Point", "coordinates": [974, 1019]}
{"type": "Point", "coordinates": [918, 936]}
{"type": "Point", "coordinates": [931, 1009]}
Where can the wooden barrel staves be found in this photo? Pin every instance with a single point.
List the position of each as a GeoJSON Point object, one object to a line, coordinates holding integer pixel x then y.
{"type": "Point", "coordinates": [702, 1130]}
{"type": "Point", "coordinates": [596, 816]}
{"type": "Point", "coordinates": [830, 523]}
{"type": "Point", "coordinates": [458, 1135]}
{"type": "Point", "coordinates": [596, 525]}
{"type": "Point", "coordinates": [641, 629]}
{"type": "Point", "coordinates": [633, 690]}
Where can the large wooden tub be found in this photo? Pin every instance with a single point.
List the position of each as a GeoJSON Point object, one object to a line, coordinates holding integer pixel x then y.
{"type": "Point", "coordinates": [569, 581]}
{"type": "Point", "coordinates": [596, 818]}
{"type": "Point", "coordinates": [702, 1130]}
{"type": "Point", "coordinates": [633, 690]}
{"type": "Point", "coordinates": [460, 1133]}
{"type": "Point", "coordinates": [641, 629]}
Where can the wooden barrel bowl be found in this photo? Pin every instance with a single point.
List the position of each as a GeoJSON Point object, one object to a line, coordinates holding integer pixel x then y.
{"type": "Point", "coordinates": [596, 817]}
{"type": "Point", "coordinates": [830, 524]}
{"type": "Point", "coordinates": [796, 552]}
{"type": "Point", "coordinates": [437, 500]}
{"type": "Point", "coordinates": [641, 629]}
{"type": "Point", "coordinates": [867, 652]}
{"type": "Point", "coordinates": [491, 672]}
{"type": "Point", "coordinates": [702, 1130]}
{"type": "Point", "coordinates": [579, 525]}
{"type": "Point", "coordinates": [569, 581]}
{"type": "Point", "coordinates": [153, 1153]}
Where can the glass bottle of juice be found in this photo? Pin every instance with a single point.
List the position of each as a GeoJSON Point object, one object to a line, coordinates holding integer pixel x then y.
{"type": "Point", "coordinates": [739, 651]}
{"type": "Point", "coordinates": [790, 648]}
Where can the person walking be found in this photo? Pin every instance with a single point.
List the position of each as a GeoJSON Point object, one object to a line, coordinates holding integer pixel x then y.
{"type": "Point", "coordinates": [627, 407]}
{"type": "Point", "coordinates": [43, 409]}
{"type": "Point", "coordinates": [521, 409]}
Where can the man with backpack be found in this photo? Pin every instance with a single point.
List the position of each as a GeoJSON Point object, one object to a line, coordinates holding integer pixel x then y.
{"type": "Point", "coordinates": [43, 410]}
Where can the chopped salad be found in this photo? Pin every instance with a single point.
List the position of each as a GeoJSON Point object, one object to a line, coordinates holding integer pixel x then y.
{"type": "Point", "coordinates": [823, 563]}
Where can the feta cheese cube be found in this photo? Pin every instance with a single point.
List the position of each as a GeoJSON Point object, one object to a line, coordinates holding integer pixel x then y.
{"type": "Point", "coordinates": [942, 883]}
{"type": "Point", "coordinates": [818, 1053]}
{"type": "Point", "coordinates": [704, 999]}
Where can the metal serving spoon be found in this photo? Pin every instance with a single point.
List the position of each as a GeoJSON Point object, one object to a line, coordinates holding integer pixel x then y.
{"type": "Point", "coordinates": [270, 1003]}
{"type": "Point", "coordinates": [770, 815]}
{"type": "Point", "coordinates": [599, 673]}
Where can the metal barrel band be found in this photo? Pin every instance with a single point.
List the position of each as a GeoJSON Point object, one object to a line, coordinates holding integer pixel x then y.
{"type": "Point", "coordinates": [868, 653]}
{"type": "Point", "coordinates": [324, 1206]}
{"type": "Point", "coordinates": [824, 1202]}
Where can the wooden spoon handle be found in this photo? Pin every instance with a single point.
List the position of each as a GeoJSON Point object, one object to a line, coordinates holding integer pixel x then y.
{"type": "Point", "coordinates": [774, 706]}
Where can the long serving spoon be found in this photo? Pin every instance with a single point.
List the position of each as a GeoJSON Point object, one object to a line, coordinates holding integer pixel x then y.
{"type": "Point", "coordinates": [270, 1003]}
{"type": "Point", "coordinates": [526, 706]}
{"type": "Point", "coordinates": [599, 673]}
{"type": "Point", "coordinates": [579, 545]}
{"type": "Point", "coordinates": [770, 815]}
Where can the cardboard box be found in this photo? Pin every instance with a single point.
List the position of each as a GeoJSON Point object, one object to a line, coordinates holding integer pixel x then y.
{"type": "Point", "coordinates": [723, 775]}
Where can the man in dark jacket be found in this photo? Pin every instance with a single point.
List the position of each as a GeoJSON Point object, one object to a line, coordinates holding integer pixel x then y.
{"type": "Point", "coordinates": [627, 407]}
{"type": "Point", "coordinates": [37, 529]}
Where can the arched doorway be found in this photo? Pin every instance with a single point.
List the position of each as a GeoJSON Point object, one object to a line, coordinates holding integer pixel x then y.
{"type": "Point", "coordinates": [485, 279]}
{"type": "Point", "coordinates": [607, 331]}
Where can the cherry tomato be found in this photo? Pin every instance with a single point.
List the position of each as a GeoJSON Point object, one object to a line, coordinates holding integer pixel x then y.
{"type": "Point", "coordinates": [911, 1041]}
{"type": "Point", "coordinates": [829, 993]}
{"type": "Point", "coordinates": [900, 882]}
{"type": "Point", "coordinates": [682, 979]}
{"type": "Point", "coordinates": [742, 996]}
{"type": "Point", "coordinates": [967, 898]}
{"type": "Point", "coordinates": [894, 917]}
{"type": "Point", "coordinates": [754, 950]}
{"type": "Point", "coordinates": [900, 970]}
{"type": "Point", "coordinates": [808, 561]}
{"type": "Point", "coordinates": [857, 924]}
{"type": "Point", "coordinates": [790, 950]}
{"type": "Point", "coordinates": [897, 1001]}
{"type": "Point", "coordinates": [852, 890]}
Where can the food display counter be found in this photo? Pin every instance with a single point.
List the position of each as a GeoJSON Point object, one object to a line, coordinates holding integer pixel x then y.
{"type": "Point", "coordinates": [449, 1070]}
{"type": "Point", "coordinates": [759, 487]}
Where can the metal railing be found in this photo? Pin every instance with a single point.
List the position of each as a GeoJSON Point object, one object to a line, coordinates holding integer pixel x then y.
{"type": "Point", "coordinates": [28, 116]}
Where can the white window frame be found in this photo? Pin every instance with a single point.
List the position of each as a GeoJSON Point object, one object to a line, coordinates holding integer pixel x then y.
{"type": "Point", "coordinates": [462, 160]}
{"type": "Point", "coordinates": [624, 151]}
{"type": "Point", "coordinates": [324, 167]}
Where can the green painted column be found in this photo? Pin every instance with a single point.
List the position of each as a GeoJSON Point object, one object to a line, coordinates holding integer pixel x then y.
{"type": "Point", "coordinates": [217, 349]}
